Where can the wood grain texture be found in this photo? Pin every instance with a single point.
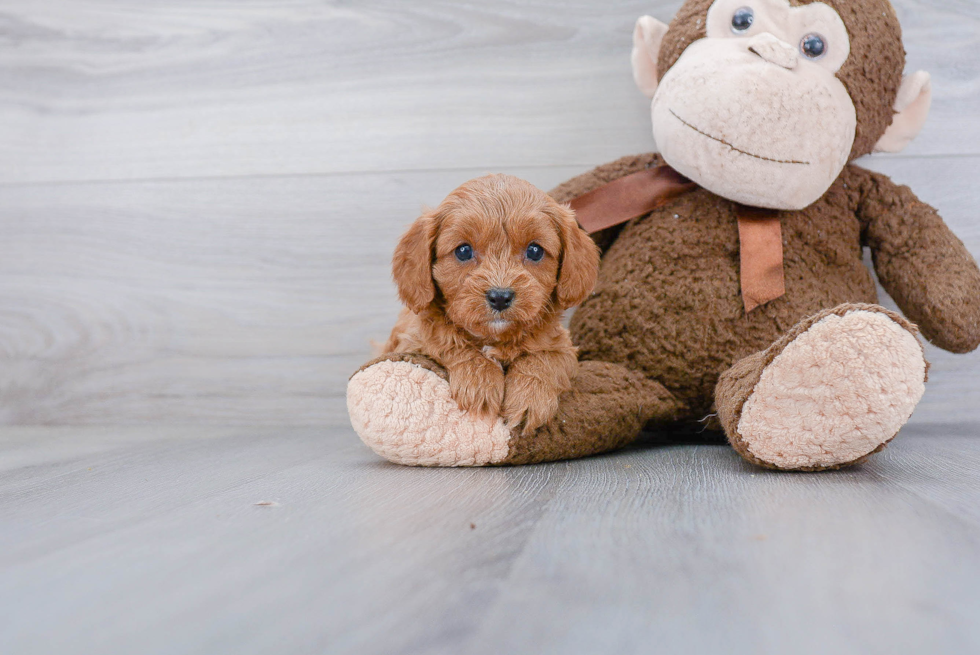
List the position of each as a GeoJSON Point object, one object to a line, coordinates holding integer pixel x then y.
{"type": "Point", "coordinates": [222, 301]}
{"type": "Point", "coordinates": [149, 540]}
{"type": "Point", "coordinates": [96, 89]}
{"type": "Point", "coordinates": [251, 301]}
{"type": "Point", "coordinates": [198, 200]}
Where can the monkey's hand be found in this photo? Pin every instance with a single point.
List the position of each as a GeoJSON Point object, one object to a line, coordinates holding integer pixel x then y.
{"type": "Point", "coordinates": [922, 265]}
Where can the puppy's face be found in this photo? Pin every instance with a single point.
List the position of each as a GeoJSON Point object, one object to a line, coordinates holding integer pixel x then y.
{"type": "Point", "coordinates": [504, 256]}
{"type": "Point", "coordinates": [496, 272]}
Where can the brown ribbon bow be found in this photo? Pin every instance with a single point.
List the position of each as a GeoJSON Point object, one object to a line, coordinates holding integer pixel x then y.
{"type": "Point", "coordinates": [632, 196]}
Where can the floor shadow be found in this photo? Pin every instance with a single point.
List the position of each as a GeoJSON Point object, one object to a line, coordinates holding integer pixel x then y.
{"type": "Point", "coordinates": [678, 436]}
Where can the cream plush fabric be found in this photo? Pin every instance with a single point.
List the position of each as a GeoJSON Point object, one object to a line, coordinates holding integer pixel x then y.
{"type": "Point", "coordinates": [404, 413]}
{"type": "Point", "coordinates": [835, 393]}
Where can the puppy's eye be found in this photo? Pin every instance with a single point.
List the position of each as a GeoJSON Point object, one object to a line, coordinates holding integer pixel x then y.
{"type": "Point", "coordinates": [534, 252]}
{"type": "Point", "coordinates": [464, 252]}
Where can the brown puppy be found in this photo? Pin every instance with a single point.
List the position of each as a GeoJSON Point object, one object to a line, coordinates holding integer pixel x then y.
{"type": "Point", "coordinates": [486, 277]}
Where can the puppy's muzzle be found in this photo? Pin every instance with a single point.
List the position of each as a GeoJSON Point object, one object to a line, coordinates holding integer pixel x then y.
{"type": "Point", "coordinates": [500, 299]}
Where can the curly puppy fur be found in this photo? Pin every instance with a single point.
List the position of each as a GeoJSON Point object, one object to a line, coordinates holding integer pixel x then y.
{"type": "Point", "coordinates": [513, 360]}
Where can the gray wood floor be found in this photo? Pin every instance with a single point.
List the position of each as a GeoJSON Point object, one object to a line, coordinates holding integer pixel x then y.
{"type": "Point", "coordinates": [198, 202]}
{"type": "Point", "coordinates": [152, 540]}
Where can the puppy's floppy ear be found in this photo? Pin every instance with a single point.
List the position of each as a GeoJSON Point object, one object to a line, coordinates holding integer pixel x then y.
{"type": "Point", "coordinates": [411, 264]}
{"type": "Point", "coordinates": [579, 259]}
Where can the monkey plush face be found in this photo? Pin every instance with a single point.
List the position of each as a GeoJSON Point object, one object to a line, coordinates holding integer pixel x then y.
{"type": "Point", "coordinates": [759, 105]}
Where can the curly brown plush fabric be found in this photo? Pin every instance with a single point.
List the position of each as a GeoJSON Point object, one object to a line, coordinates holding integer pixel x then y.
{"type": "Point", "coordinates": [667, 303]}
{"type": "Point", "coordinates": [605, 410]}
{"type": "Point", "coordinates": [872, 74]}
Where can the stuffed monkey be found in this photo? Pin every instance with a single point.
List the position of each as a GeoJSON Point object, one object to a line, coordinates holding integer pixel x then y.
{"type": "Point", "coordinates": [743, 300]}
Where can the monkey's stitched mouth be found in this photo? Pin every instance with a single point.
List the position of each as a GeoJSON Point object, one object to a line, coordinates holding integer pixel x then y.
{"type": "Point", "coordinates": [738, 150]}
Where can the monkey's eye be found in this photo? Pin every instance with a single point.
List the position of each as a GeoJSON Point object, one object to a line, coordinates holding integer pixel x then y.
{"type": "Point", "coordinates": [813, 46]}
{"type": "Point", "coordinates": [534, 252]}
{"type": "Point", "coordinates": [742, 19]}
{"type": "Point", "coordinates": [464, 252]}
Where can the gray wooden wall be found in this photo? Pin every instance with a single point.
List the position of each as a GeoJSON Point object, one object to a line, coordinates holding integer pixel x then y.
{"type": "Point", "coordinates": [199, 198]}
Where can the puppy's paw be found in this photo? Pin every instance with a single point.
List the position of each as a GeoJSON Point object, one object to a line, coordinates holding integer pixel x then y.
{"type": "Point", "coordinates": [477, 387]}
{"type": "Point", "coordinates": [529, 399]}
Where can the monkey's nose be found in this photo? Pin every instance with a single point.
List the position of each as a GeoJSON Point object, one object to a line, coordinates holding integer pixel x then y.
{"type": "Point", "coordinates": [500, 299]}
{"type": "Point", "coordinates": [773, 50]}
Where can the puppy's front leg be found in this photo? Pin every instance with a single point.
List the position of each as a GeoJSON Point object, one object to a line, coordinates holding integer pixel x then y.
{"type": "Point", "coordinates": [533, 384]}
{"type": "Point", "coordinates": [476, 384]}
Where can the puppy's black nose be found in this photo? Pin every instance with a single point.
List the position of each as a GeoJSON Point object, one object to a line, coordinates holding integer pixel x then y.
{"type": "Point", "coordinates": [500, 299]}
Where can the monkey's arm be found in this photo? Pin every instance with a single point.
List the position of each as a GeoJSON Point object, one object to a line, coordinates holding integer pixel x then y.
{"type": "Point", "coordinates": [582, 184]}
{"type": "Point", "coordinates": [922, 265]}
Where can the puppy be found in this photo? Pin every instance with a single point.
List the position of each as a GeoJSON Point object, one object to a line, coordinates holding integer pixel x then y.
{"type": "Point", "coordinates": [485, 278]}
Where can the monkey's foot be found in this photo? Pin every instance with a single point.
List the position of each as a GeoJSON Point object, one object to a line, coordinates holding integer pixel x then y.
{"type": "Point", "coordinates": [401, 408]}
{"type": "Point", "coordinates": [835, 389]}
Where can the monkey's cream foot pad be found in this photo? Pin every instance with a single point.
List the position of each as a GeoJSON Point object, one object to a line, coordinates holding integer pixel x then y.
{"type": "Point", "coordinates": [403, 411]}
{"type": "Point", "coordinates": [838, 391]}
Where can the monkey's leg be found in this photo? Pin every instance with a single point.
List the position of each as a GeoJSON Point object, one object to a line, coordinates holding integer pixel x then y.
{"type": "Point", "coordinates": [400, 406]}
{"type": "Point", "coordinates": [832, 391]}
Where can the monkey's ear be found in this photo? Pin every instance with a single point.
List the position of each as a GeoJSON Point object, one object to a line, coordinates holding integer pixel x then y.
{"type": "Point", "coordinates": [411, 265]}
{"type": "Point", "coordinates": [647, 36]}
{"type": "Point", "coordinates": [579, 259]}
{"type": "Point", "coordinates": [911, 109]}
